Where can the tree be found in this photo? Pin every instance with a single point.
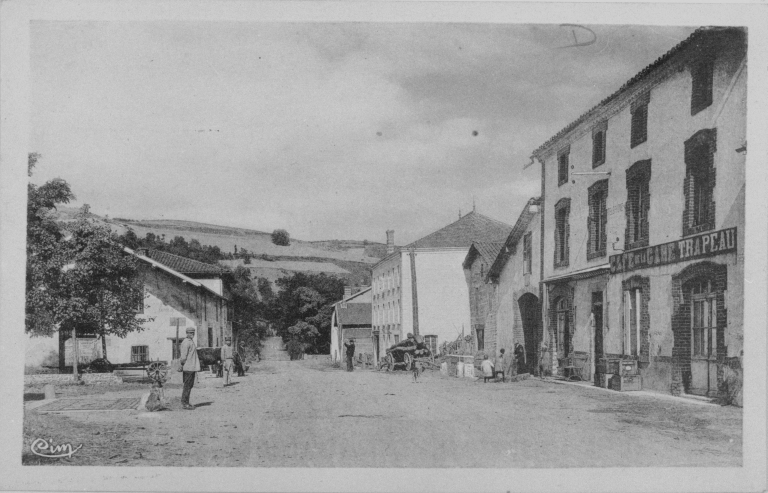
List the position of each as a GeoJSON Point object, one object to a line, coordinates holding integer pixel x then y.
{"type": "Point", "coordinates": [79, 277]}
{"type": "Point", "coordinates": [44, 257]}
{"type": "Point", "coordinates": [100, 289]}
{"type": "Point", "coordinates": [281, 237]}
{"type": "Point", "coordinates": [306, 298]}
{"type": "Point", "coordinates": [247, 308]}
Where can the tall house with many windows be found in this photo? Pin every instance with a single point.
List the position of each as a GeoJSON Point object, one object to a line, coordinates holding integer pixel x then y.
{"type": "Point", "coordinates": [643, 222]}
{"type": "Point", "coordinates": [421, 288]}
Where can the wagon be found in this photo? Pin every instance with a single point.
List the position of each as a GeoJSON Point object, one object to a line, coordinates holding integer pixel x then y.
{"type": "Point", "coordinates": [404, 357]}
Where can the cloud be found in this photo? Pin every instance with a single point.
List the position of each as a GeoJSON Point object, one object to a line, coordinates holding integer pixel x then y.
{"type": "Point", "coordinates": [338, 130]}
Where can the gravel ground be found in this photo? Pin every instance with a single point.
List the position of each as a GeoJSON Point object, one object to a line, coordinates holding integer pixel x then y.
{"type": "Point", "coordinates": [307, 414]}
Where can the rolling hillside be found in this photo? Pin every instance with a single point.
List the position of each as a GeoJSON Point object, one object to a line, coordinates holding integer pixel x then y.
{"type": "Point", "coordinates": [350, 259]}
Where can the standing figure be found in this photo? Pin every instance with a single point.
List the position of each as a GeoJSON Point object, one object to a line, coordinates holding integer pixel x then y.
{"type": "Point", "coordinates": [520, 356]}
{"type": "Point", "coordinates": [350, 347]}
{"type": "Point", "coordinates": [543, 350]}
{"type": "Point", "coordinates": [190, 365]}
{"type": "Point", "coordinates": [227, 359]}
{"type": "Point", "coordinates": [499, 366]}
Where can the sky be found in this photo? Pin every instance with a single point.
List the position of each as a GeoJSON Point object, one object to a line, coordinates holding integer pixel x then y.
{"type": "Point", "coordinates": [327, 130]}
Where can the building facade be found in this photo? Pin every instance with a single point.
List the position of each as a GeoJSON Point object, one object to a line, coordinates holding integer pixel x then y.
{"type": "Point", "coordinates": [351, 317]}
{"type": "Point", "coordinates": [643, 220]}
{"type": "Point", "coordinates": [421, 288]}
{"type": "Point", "coordinates": [514, 278]}
{"type": "Point", "coordinates": [172, 299]}
{"type": "Point", "coordinates": [482, 295]}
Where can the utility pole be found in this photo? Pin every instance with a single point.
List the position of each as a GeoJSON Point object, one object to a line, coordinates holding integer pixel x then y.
{"type": "Point", "coordinates": [414, 294]}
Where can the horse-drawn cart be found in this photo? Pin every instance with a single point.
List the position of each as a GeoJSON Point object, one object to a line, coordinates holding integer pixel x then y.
{"type": "Point", "coordinates": [405, 355]}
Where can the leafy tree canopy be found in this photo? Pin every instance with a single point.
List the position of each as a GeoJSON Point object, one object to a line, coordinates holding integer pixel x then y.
{"type": "Point", "coordinates": [281, 237]}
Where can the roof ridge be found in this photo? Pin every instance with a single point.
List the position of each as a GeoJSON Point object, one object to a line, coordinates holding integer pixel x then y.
{"type": "Point", "coordinates": [699, 32]}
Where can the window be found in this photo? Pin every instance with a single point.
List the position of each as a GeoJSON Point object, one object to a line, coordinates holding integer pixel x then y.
{"type": "Point", "coordinates": [701, 86]}
{"type": "Point", "coordinates": [562, 165]}
{"type": "Point", "coordinates": [480, 334]}
{"type": "Point", "coordinates": [596, 221]}
{"type": "Point", "coordinates": [699, 212]}
{"type": "Point", "coordinates": [139, 354]}
{"type": "Point", "coordinates": [639, 111]}
{"type": "Point", "coordinates": [638, 204]}
{"type": "Point", "coordinates": [598, 143]}
{"type": "Point", "coordinates": [397, 338]}
{"type": "Point", "coordinates": [703, 319]}
{"type": "Point", "coordinates": [527, 253]}
{"type": "Point", "coordinates": [632, 304]}
{"type": "Point", "coordinates": [562, 231]}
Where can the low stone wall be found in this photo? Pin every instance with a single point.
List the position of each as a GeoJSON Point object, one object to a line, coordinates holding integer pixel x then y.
{"type": "Point", "coordinates": [317, 356]}
{"type": "Point", "coordinates": [69, 379]}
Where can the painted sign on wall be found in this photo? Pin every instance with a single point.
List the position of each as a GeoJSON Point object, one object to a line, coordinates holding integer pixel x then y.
{"type": "Point", "coordinates": [693, 247]}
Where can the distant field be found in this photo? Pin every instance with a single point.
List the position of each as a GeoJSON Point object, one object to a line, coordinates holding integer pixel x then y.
{"type": "Point", "coordinates": [256, 242]}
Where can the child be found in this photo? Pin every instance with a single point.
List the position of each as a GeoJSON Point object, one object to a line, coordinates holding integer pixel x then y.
{"type": "Point", "coordinates": [487, 368]}
{"type": "Point", "coordinates": [417, 369]}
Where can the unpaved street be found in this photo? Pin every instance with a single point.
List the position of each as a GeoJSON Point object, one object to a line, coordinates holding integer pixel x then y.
{"type": "Point", "coordinates": [308, 414]}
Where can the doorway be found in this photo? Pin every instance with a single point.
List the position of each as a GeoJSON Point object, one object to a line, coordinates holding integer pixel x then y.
{"type": "Point", "coordinates": [563, 327]}
{"type": "Point", "coordinates": [702, 300]}
{"type": "Point", "coordinates": [530, 314]}
{"type": "Point", "coordinates": [597, 314]}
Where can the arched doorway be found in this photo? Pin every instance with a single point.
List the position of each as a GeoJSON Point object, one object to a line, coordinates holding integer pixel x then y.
{"type": "Point", "coordinates": [530, 314]}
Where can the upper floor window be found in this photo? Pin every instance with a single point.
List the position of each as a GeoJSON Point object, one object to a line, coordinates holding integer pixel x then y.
{"type": "Point", "coordinates": [562, 231]}
{"type": "Point", "coordinates": [638, 204]}
{"type": "Point", "coordinates": [699, 186]}
{"type": "Point", "coordinates": [598, 195]}
{"type": "Point", "coordinates": [639, 111]}
{"type": "Point", "coordinates": [701, 85]}
{"type": "Point", "coordinates": [562, 165]}
{"type": "Point", "coordinates": [598, 143]}
{"type": "Point", "coordinates": [527, 251]}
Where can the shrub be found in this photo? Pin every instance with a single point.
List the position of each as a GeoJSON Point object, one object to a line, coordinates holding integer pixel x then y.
{"type": "Point", "coordinates": [281, 237]}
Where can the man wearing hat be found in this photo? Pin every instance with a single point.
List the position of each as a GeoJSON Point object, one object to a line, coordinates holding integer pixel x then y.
{"type": "Point", "coordinates": [190, 365]}
{"type": "Point", "coordinates": [350, 346]}
{"type": "Point", "coordinates": [227, 359]}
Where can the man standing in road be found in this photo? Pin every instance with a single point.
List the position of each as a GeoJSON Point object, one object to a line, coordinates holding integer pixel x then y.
{"type": "Point", "coordinates": [227, 359]}
{"type": "Point", "coordinates": [350, 347]}
{"type": "Point", "coordinates": [190, 365]}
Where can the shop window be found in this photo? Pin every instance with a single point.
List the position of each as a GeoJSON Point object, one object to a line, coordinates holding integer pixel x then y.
{"type": "Point", "coordinates": [563, 333]}
{"type": "Point", "coordinates": [598, 143]}
{"type": "Point", "coordinates": [597, 219]}
{"type": "Point", "coordinates": [639, 124]}
{"type": "Point", "coordinates": [701, 85]}
{"type": "Point", "coordinates": [562, 232]}
{"type": "Point", "coordinates": [562, 165]}
{"type": "Point", "coordinates": [527, 253]}
{"type": "Point", "coordinates": [703, 319]}
{"type": "Point", "coordinates": [699, 186]}
{"type": "Point", "coordinates": [638, 205]}
{"type": "Point", "coordinates": [139, 354]}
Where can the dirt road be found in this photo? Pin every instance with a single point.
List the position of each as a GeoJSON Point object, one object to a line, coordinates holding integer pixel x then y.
{"type": "Point", "coordinates": [307, 414]}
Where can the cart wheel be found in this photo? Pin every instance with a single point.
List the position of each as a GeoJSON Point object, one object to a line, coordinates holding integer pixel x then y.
{"type": "Point", "coordinates": [408, 361]}
{"type": "Point", "coordinates": [157, 371]}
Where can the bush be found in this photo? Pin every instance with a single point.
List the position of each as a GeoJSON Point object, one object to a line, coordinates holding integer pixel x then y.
{"type": "Point", "coordinates": [281, 237]}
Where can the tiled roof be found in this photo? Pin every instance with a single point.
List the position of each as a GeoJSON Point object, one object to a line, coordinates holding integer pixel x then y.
{"type": "Point", "coordinates": [696, 39]}
{"type": "Point", "coordinates": [488, 251]}
{"type": "Point", "coordinates": [522, 223]}
{"type": "Point", "coordinates": [183, 264]}
{"type": "Point", "coordinates": [462, 233]}
{"type": "Point", "coordinates": [354, 313]}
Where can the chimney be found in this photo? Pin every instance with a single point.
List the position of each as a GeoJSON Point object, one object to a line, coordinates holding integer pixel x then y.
{"type": "Point", "coordinates": [390, 241]}
{"type": "Point", "coordinates": [347, 292]}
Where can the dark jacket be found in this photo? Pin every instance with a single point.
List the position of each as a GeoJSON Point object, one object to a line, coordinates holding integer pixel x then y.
{"type": "Point", "coordinates": [350, 349]}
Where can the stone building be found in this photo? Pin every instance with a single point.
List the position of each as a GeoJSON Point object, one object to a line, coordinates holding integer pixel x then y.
{"type": "Point", "coordinates": [482, 306]}
{"type": "Point", "coordinates": [643, 220]}
{"type": "Point", "coordinates": [514, 278]}
{"type": "Point", "coordinates": [176, 289]}
{"type": "Point", "coordinates": [421, 288]}
{"type": "Point", "coordinates": [351, 317]}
